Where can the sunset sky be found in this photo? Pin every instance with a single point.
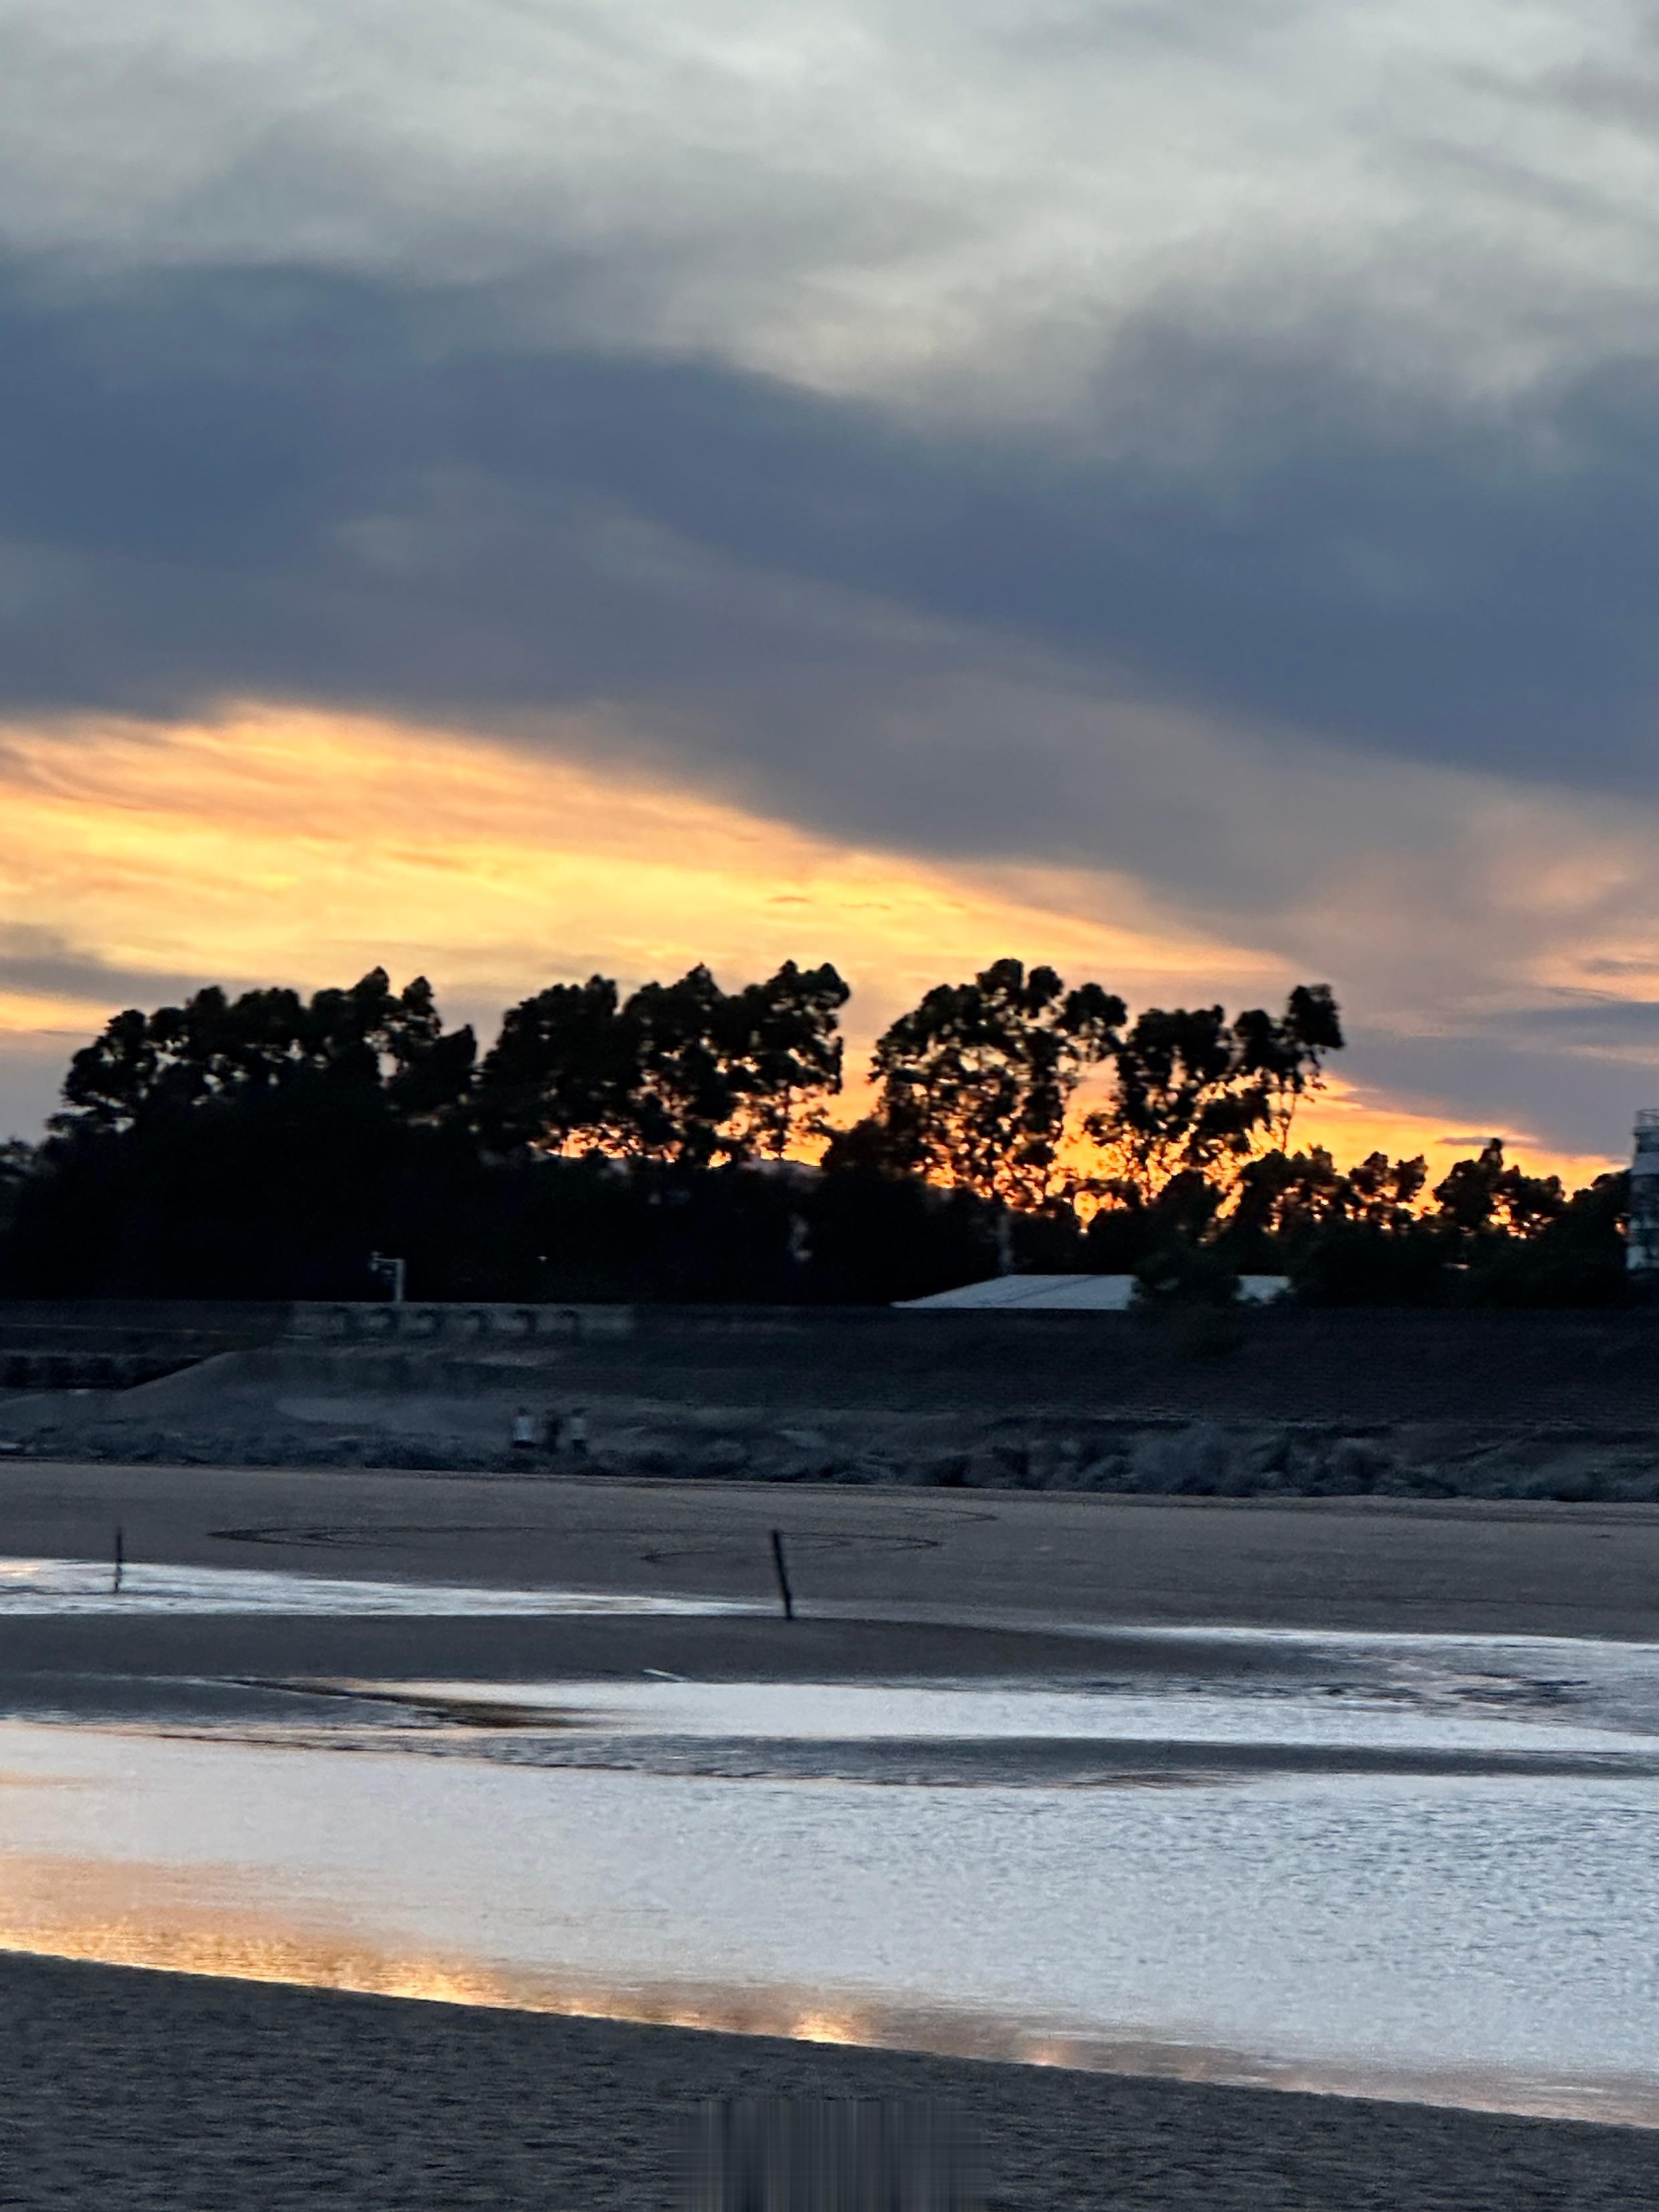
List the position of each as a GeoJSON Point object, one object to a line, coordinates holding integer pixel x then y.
{"type": "Point", "coordinates": [520, 488]}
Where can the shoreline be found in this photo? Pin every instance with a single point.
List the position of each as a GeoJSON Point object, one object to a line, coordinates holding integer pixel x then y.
{"type": "Point", "coordinates": [150, 2089]}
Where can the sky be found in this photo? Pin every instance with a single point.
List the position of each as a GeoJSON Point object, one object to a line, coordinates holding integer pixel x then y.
{"type": "Point", "coordinates": [511, 488]}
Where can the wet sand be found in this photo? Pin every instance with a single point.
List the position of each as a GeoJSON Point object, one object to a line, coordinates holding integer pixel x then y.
{"type": "Point", "coordinates": [230, 1674]}
{"type": "Point", "coordinates": [1486, 1567]}
{"type": "Point", "coordinates": [148, 2090]}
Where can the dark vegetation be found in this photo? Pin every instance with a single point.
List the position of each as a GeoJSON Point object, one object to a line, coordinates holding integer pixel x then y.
{"type": "Point", "coordinates": [674, 1144]}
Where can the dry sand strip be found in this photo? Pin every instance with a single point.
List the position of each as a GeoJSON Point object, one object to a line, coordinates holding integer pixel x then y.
{"type": "Point", "coordinates": [138, 2090]}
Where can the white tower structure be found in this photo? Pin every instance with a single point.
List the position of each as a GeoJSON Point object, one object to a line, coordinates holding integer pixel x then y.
{"type": "Point", "coordinates": [1641, 1243]}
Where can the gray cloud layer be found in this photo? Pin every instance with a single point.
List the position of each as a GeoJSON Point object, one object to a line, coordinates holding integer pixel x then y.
{"type": "Point", "coordinates": [291, 485]}
{"type": "Point", "coordinates": [961, 198]}
{"type": "Point", "coordinates": [238, 481]}
{"type": "Point", "coordinates": [1212, 444]}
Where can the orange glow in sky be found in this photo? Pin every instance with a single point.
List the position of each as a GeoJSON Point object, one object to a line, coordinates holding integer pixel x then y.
{"type": "Point", "coordinates": [285, 846]}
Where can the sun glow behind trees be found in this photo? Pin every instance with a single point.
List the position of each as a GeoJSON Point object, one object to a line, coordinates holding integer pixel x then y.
{"type": "Point", "coordinates": [144, 860]}
{"type": "Point", "coordinates": [264, 1145]}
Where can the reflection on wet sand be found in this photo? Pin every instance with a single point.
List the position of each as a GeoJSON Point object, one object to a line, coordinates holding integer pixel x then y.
{"type": "Point", "coordinates": [151, 1918]}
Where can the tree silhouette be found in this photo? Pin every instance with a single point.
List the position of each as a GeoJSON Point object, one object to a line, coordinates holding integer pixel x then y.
{"type": "Point", "coordinates": [214, 1047]}
{"type": "Point", "coordinates": [682, 1072]}
{"type": "Point", "coordinates": [264, 1145]}
{"type": "Point", "coordinates": [559, 1077]}
{"type": "Point", "coordinates": [975, 1084]}
{"type": "Point", "coordinates": [1195, 1094]}
{"type": "Point", "coordinates": [784, 1057]}
{"type": "Point", "coordinates": [1384, 1193]}
{"type": "Point", "coordinates": [1484, 1195]}
{"type": "Point", "coordinates": [1293, 1194]}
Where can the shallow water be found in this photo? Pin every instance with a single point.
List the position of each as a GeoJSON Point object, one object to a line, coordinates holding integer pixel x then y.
{"type": "Point", "coordinates": [658, 1849]}
{"type": "Point", "coordinates": [1345, 1933]}
{"type": "Point", "coordinates": [81, 1586]}
{"type": "Point", "coordinates": [766, 1713]}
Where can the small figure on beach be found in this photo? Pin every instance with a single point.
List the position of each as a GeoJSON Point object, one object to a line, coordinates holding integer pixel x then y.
{"type": "Point", "coordinates": [552, 1429]}
{"type": "Point", "coordinates": [524, 1431]}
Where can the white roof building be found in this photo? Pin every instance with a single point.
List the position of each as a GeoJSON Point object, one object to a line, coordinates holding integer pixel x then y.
{"type": "Point", "coordinates": [1066, 1294]}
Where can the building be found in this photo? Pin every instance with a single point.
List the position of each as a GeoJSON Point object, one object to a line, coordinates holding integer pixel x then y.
{"type": "Point", "coordinates": [1642, 1240]}
{"type": "Point", "coordinates": [1079, 1293]}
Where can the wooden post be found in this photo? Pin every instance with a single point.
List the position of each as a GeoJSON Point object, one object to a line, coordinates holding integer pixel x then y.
{"type": "Point", "coordinates": [782, 1566]}
{"type": "Point", "coordinates": [120, 1561]}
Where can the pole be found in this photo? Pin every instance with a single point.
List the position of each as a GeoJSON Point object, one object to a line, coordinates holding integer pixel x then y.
{"type": "Point", "coordinates": [782, 1566]}
{"type": "Point", "coordinates": [120, 1561]}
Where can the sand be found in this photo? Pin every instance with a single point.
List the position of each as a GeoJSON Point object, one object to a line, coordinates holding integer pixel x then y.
{"type": "Point", "coordinates": [133, 2090]}
{"type": "Point", "coordinates": [1485, 1567]}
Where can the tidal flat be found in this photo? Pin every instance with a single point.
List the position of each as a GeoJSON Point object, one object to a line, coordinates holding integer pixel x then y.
{"type": "Point", "coordinates": [1294, 1912]}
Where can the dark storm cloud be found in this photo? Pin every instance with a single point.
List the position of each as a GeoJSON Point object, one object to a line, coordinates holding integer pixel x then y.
{"type": "Point", "coordinates": [323, 488]}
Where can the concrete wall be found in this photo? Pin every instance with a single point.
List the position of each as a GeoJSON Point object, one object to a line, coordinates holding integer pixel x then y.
{"type": "Point", "coordinates": [1276, 1363]}
{"type": "Point", "coordinates": [418, 1323]}
{"type": "Point", "coordinates": [106, 1344]}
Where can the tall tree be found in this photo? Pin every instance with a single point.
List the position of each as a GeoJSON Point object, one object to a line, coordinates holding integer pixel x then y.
{"type": "Point", "coordinates": [1489, 1195]}
{"type": "Point", "coordinates": [1386, 1193]}
{"type": "Point", "coordinates": [262, 1145]}
{"type": "Point", "coordinates": [1194, 1093]}
{"type": "Point", "coordinates": [784, 1056]}
{"type": "Point", "coordinates": [726, 1075]}
{"type": "Point", "coordinates": [683, 1072]}
{"type": "Point", "coordinates": [559, 1077]}
{"type": "Point", "coordinates": [214, 1047]}
{"type": "Point", "coordinates": [1294, 1194]}
{"type": "Point", "coordinates": [975, 1084]}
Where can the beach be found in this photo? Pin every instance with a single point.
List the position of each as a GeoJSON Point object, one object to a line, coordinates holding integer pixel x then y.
{"type": "Point", "coordinates": [163, 2091]}
{"type": "Point", "coordinates": [1501, 1567]}
{"type": "Point", "coordinates": [145, 2087]}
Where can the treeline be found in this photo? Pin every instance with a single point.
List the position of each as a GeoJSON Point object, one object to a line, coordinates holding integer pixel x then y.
{"type": "Point", "coordinates": [676, 1142]}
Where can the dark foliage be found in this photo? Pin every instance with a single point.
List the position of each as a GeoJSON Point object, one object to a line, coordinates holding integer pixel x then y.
{"type": "Point", "coordinates": [649, 1146]}
{"type": "Point", "coordinates": [976, 1084]}
{"type": "Point", "coordinates": [1194, 1093]}
{"type": "Point", "coordinates": [259, 1147]}
{"type": "Point", "coordinates": [683, 1072]}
